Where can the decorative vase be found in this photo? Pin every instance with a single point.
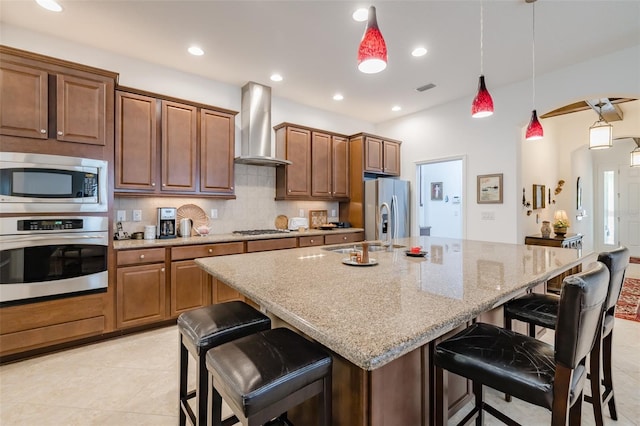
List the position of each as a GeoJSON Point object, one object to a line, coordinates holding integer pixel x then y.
{"type": "Point", "coordinates": [560, 230]}
{"type": "Point", "coordinates": [546, 229]}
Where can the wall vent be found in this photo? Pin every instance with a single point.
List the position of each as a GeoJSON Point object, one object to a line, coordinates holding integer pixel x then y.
{"type": "Point", "coordinates": [426, 87]}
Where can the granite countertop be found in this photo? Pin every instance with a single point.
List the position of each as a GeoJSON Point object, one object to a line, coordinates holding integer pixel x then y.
{"type": "Point", "coordinates": [223, 238]}
{"type": "Point", "coordinates": [372, 315]}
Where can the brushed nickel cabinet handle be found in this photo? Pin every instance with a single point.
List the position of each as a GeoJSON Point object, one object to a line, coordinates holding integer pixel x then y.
{"type": "Point", "coordinates": [210, 250]}
{"type": "Point", "coordinates": [142, 256]}
{"type": "Point", "coordinates": [153, 184]}
{"type": "Point", "coordinates": [162, 270]}
{"type": "Point", "coordinates": [43, 131]}
{"type": "Point", "coordinates": [59, 132]}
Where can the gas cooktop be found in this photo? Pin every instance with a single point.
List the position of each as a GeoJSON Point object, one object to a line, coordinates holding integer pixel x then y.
{"type": "Point", "coordinates": [261, 231]}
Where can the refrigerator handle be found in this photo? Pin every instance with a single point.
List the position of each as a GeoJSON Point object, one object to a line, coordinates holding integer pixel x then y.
{"type": "Point", "coordinates": [378, 220]}
{"type": "Point", "coordinates": [396, 222]}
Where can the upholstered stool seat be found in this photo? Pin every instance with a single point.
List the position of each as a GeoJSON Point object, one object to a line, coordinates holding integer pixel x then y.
{"type": "Point", "coordinates": [535, 309]}
{"type": "Point", "coordinates": [202, 329]}
{"type": "Point", "coordinates": [265, 374]}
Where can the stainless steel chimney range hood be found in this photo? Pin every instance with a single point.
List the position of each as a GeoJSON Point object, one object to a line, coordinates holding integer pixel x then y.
{"type": "Point", "coordinates": [255, 143]}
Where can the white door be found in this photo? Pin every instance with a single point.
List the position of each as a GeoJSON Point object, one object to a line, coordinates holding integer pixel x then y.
{"type": "Point", "coordinates": [629, 208]}
{"type": "Point", "coordinates": [607, 228]}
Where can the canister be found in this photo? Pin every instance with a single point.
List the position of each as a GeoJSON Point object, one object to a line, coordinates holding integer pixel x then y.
{"type": "Point", "coordinates": [149, 232]}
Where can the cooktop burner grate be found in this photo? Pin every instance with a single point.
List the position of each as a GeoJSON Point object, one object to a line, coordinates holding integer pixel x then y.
{"type": "Point", "coordinates": [261, 231]}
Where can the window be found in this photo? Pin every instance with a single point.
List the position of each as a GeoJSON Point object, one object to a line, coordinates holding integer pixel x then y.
{"type": "Point", "coordinates": [608, 213]}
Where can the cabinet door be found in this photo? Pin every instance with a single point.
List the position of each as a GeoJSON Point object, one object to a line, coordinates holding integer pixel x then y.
{"type": "Point", "coordinates": [140, 295]}
{"type": "Point", "coordinates": [23, 101]}
{"type": "Point", "coordinates": [216, 151]}
{"type": "Point", "coordinates": [223, 293]}
{"type": "Point", "coordinates": [81, 110]}
{"type": "Point", "coordinates": [391, 158]}
{"type": "Point", "coordinates": [179, 136]}
{"type": "Point", "coordinates": [321, 169]}
{"type": "Point", "coordinates": [136, 142]}
{"type": "Point", "coordinates": [373, 155]}
{"type": "Point", "coordinates": [299, 153]}
{"type": "Point", "coordinates": [190, 287]}
{"type": "Point", "coordinates": [340, 167]}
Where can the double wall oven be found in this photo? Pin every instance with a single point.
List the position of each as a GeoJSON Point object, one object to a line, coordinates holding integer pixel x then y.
{"type": "Point", "coordinates": [54, 233]}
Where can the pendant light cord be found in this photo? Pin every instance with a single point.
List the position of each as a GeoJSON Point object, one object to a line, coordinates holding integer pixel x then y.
{"type": "Point", "coordinates": [533, 54]}
{"type": "Point", "coordinates": [481, 38]}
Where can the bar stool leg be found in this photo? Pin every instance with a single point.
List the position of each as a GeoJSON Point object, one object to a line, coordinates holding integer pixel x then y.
{"type": "Point", "coordinates": [202, 391]}
{"type": "Point", "coordinates": [595, 379]}
{"type": "Point", "coordinates": [184, 366]}
{"type": "Point", "coordinates": [325, 402]}
{"type": "Point", "coordinates": [608, 379]}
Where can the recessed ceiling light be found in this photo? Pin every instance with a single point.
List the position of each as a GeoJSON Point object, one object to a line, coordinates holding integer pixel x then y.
{"type": "Point", "coordinates": [396, 108]}
{"type": "Point", "coordinates": [51, 5]}
{"type": "Point", "coordinates": [196, 51]}
{"type": "Point", "coordinates": [338, 97]}
{"type": "Point", "coordinates": [419, 51]}
{"type": "Point", "coordinates": [276, 77]}
{"type": "Point", "coordinates": [361, 15]}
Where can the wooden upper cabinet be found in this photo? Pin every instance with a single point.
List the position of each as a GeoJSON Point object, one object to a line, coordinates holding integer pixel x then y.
{"type": "Point", "coordinates": [391, 158]}
{"type": "Point", "coordinates": [136, 142]}
{"type": "Point", "coordinates": [81, 110]}
{"type": "Point", "coordinates": [340, 167]}
{"type": "Point", "coordinates": [321, 167]}
{"type": "Point", "coordinates": [373, 155]}
{"type": "Point", "coordinates": [293, 144]}
{"type": "Point", "coordinates": [217, 144]}
{"type": "Point", "coordinates": [23, 101]}
{"type": "Point", "coordinates": [179, 142]}
{"type": "Point", "coordinates": [381, 156]}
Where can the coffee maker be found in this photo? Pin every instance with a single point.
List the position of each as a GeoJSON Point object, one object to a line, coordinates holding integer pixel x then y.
{"type": "Point", "coordinates": [166, 226]}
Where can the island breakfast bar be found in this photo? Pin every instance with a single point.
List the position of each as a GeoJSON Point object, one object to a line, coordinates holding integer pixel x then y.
{"type": "Point", "coordinates": [381, 321]}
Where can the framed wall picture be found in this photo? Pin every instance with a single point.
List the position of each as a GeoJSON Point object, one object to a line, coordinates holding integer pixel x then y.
{"type": "Point", "coordinates": [436, 191]}
{"type": "Point", "coordinates": [538, 196]}
{"type": "Point", "coordinates": [490, 189]}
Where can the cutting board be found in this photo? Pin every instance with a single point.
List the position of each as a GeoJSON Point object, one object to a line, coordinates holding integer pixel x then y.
{"type": "Point", "coordinates": [282, 222]}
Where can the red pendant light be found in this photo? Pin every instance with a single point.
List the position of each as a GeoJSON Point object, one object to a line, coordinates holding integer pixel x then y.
{"type": "Point", "coordinates": [482, 105]}
{"type": "Point", "coordinates": [372, 52]}
{"type": "Point", "coordinates": [534, 129]}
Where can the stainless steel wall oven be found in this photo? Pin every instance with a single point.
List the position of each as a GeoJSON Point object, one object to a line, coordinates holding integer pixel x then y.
{"type": "Point", "coordinates": [45, 257]}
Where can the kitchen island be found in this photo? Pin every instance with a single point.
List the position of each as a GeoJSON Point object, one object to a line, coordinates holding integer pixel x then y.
{"type": "Point", "coordinates": [381, 321]}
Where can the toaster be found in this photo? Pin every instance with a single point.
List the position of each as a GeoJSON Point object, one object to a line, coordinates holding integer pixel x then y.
{"type": "Point", "coordinates": [296, 222]}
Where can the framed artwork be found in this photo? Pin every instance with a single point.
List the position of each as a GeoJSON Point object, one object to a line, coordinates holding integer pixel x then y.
{"type": "Point", "coordinates": [490, 189]}
{"type": "Point", "coordinates": [538, 197]}
{"type": "Point", "coordinates": [436, 191]}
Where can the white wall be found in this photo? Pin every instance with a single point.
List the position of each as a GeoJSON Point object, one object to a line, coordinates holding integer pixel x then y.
{"type": "Point", "coordinates": [496, 144]}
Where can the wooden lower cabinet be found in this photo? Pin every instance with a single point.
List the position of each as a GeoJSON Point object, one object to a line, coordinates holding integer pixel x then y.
{"type": "Point", "coordinates": [140, 295]}
{"type": "Point", "coordinates": [351, 237]}
{"type": "Point", "coordinates": [42, 324]}
{"type": "Point", "coordinates": [190, 287]}
{"type": "Point", "coordinates": [223, 293]}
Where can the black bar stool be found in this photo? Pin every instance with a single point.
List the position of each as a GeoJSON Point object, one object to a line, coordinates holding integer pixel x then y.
{"type": "Point", "coordinates": [542, 310]}
{"type": "Point", "coordinates": [202, 329]}
{"type": "Point", "coordinates": [263, 375]}
{"type": "Point", "coordinates": [550, 376]}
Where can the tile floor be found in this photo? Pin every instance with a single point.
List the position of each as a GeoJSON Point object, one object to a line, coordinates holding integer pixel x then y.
{"type": "Point", "coordinates": [132, 380]}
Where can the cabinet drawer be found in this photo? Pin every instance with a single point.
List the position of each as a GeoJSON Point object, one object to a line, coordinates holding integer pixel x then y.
{"type": "Point", "coordinates": [134, 257]}
{"type": "Point", "coordinates": [206, 250]}
{"type": "Point", "coordinates": [275, 244]}
{"type": "Point", "coordinates": [344, 238]}
{"type": "Point", "coordinates": [316, 240]}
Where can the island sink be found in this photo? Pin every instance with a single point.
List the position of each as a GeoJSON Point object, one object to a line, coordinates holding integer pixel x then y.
{"type": "Point", "coordinates": [372, 247]}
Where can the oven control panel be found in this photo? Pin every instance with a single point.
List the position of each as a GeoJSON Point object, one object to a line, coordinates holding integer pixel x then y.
{"type": "Point", "coordinates": [49, 224]}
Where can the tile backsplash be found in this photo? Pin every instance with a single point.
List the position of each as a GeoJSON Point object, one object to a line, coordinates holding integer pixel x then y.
{"type": "Point", "coordinates": [254, 207]}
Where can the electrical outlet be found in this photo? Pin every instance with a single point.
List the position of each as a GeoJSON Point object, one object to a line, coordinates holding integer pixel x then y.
{"type": "Point", "coordinates": [488, 216]}
{"type": "Point", "coordinates": [121, 215]}
{"type": "Point", "coordinates": [214, 213]}
{"type": "Point", "coordinates": [333, 213]}
{"type": "Point", "coordinates": [301, 212]}
{"type": "Point", "coordinates": [137, 215]}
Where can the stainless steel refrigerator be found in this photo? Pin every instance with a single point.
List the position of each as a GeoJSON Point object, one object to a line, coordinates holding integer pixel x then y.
{"type": "Point", "coordinates": [386, 208]}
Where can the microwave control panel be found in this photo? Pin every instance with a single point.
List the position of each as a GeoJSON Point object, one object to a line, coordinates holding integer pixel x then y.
{"type": "Point", "coordinates": [49, 224]}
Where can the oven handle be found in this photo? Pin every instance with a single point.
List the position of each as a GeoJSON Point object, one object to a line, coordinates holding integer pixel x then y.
{"type": "Point", "coordinates": [26, 238]}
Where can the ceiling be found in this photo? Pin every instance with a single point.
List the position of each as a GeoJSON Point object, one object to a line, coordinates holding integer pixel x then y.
{"type": "Point", "coordinates": [313, 44]}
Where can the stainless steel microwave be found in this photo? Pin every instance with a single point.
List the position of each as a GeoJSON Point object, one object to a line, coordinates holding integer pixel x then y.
{"type": "Point", "coordinates": [41, 183]}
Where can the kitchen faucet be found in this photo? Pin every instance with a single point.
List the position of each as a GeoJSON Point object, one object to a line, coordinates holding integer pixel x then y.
{"type": "Point", "coordinates": [382, 207]}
